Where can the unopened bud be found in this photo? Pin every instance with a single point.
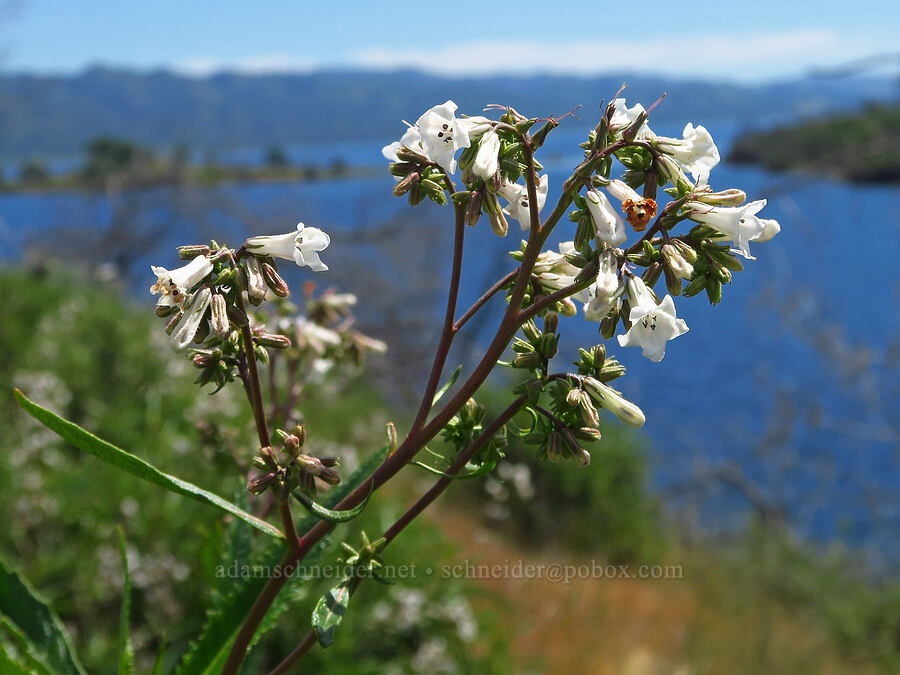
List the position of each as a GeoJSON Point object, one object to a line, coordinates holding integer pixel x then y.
{"type": "Point", "coordinates": [651, 274]}
{"type": "Point", "coordinates": [330, 476]}
{"type": "Point", "coordinates": [391, 431]}
{"type": "Point", "coordinates": [551, 322]}
{"type": "Point", "coordinates": [530, 360]}
{"type": "Point", "coordinates": [473, 210]}
{"type": "Point", "coordinates": [173, 322]}
{"type": "Point", "coordinates": [203, 360]}
{"type": "Point", "coordinates": [273, 341]}
{"type": "Point", "coordinates": [256, 284]}
{"type": "Point", "coordinates": [273, 280]}
{"type": "Point", "coordinates": [580, 455]}
{"type": "Point", "coordinates": [193, 251]}
{"type": "Point", "coordinates": [162, 311]}
{"type": "Point", "coordinates": [548, 345]}
{"type": "Point", "coordinates": [732, 197]}
{"type": "Point", "coordinates": [587, 433]}
{"type": "Point", "coordinates": [608, 398]}
{"type": "Point", "coordinates": [259, 485]}
{"type": "Point", "coordinates": [609, 323]}
{"type": "Point", "coordinates": [405, 184]}
{"type": "Point", "coordinates": [714, 290]}
{"type": "Point", "coordinates": [554, 446]}
{"type": "Point", "coordinates": [292, 445]}
{"type": "Point", "coordinates": [529, 329]}
{"type": "Point", "coordinates": [696, 285]}
{"type": "Point", "coordinates": [686, 250]}
{"type": "Point", "coordinates": [267, 454]}
{"type": "Point", "coordinates": [218, 316]}
{"type": "Point", "coordinates": [300, 433]}
{"type": "Point", "coordinates": [680, 267]}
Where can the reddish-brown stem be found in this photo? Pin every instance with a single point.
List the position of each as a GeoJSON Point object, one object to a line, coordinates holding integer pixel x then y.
{"type": "Point", "coordinates": [447, 332]}
{"type": "Point", "coordinates": [415, 510]}
{"type": "Point", "coordinates": [478, 304]}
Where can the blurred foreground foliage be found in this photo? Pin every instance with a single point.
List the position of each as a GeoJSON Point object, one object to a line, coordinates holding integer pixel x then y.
{"type": "Point", "coordinates": [72, 343]}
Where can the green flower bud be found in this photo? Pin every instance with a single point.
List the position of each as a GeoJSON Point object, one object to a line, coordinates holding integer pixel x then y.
{"type": "Point", "coordinates": [608, 398]}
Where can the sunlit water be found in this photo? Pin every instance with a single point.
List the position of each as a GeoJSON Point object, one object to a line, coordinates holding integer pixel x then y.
{"type": "Point", "coordinates": [746, 388]}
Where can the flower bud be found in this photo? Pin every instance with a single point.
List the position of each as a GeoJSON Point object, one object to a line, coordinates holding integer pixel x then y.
{"type": "Point", "coordinates": [300, 433]}
{"type": "Point", "coordinates": [686, 250]}
{"type": "Point", "coordinates": [697, 284]}
{"type": "Point", "coordinates": [530, 360]}
{"type": "Point", "coordinates": [608, 398]}
{"type": "Point", "coordinates": [673, 283]}
{"type": "Point", "coordinates": [273, 341]}
{"type": "Point", "coordinates": [173, 322]}
{"type": "Point", "coordinates": [531, 332]}
{"type": "Point", "coordinates": [582, 456]}
{"type": "Point", "coordinates": [551, 322]}
{"type": "Point", "coordinates": [651, 274]}
{"type": "Point", "coordinates": [609, 323]}
{"type": "Point", "coordinates": [218, 317]}
{"type": "Point", "coordinates": [256, 284]}
{"type": "Point", "coordinates": [273, 280]}
{"type": "Point", "coordinates": [587, 434]}
{"type": "Point", "coordinates": [498, 220]}
{"type": "Point", "coordinates": [405, 184]}
{"type": "Point", "coordinates": [162, 311]}
{"type": "Point", "coordinates": [473, 209]}
{"type": "Point", "coordinates": [267, 454]}
{"type": "Point", "coordinates": [259, 485]}
{"type": "Point", "coordinates": [732, 197]}
{"type": "Point", "coordinates": [680, 267]}
{"type": "Point", "coordinates": [713, 290]}
{"type": "Point", "coordinates": [191, 252]}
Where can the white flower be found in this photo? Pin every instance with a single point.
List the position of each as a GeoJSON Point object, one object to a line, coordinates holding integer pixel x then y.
{"type": "Point", "coordinates": [518, 200]}
{"type": "Point", "coordinates": [652, 325]}
{"type": "Point", "coordinates": [624, 117]}
{"type": "Point", "coordinates": [695, 152]}
{"type": "Point", "coordinates": [551, 261]}
{"type": "Point", "coordinates": [607, 397]}
{"type": "Point", "coordinates": [601, 293]}
{"type": "Point", "coordinates": [442, 134]}
{"type": "Point", "coordinates": [411, 139]}
{"type": "Point", "coordinates": [175, 284]}
{"type": "Point", "coordinates": [737, 223]}
{"type": "Point", "coordinates": [194, 311]}
{"type": "Point", "coordinates": [622, 191]}
{"type": "Point", "coordinates": [301, 246]}
{"type": "Point", "coordinates": [487, 161]}
{"type": "Point", "coordinates": [610, 225]}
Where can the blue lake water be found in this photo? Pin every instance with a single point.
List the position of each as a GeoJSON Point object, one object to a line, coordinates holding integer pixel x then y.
{"type": "Point", "coordinates": [790, 379]}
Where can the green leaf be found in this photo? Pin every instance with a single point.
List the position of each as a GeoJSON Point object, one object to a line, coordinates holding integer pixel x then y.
{"type": "Point", "coordinates": [37, 621]}
{"type": "Point", "coordinates": [126, 650]}
{"type": "Point", "coordinates": [333, 516]}
{"type": "Point", "coordinates": [443, 390]}
{"type": "Point", "coordinates": [330, 611]}
{"type": "Point", "coordinates": [475, 470]}
{"type": "Point", "coordinates": [17, 653]}
{"type": "Point", "coordinates": [208, 653]}
{"type": "Point", "coordinates": [86, 441]}
{"type": "Point", "coordinates": [160, 658]}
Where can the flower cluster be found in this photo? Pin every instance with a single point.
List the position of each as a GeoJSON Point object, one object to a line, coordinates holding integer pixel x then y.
{"type": "Point", "coordinates": [624, 241]}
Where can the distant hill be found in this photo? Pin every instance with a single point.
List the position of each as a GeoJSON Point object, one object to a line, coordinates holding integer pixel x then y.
{"type": "Point", "coordinates": [58, 115]}
{"type": "Point", "coordinates": [862, 146]}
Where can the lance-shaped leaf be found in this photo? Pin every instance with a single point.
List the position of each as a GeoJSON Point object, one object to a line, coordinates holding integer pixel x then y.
{"type": "Point", "coordinates": [443, 390]}
{"type": "Point", "coordinates": [207, 654]}
{"type": "Point", "coordinates": [126, 650]}
{"type": "Point", "coordinates": [327, 514]}
{"type": "Point", "coordinates": [330, 611]}
{"type": "Point", "coordinates": [37, 622]}
{"type": "Point", "coordinates": [86, 441]}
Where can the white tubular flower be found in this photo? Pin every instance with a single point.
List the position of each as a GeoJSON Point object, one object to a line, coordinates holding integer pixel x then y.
{"type": "Point", "coordinates": [602, 293]}
{"type": "Point", "coordinates": [624, 117]}
{"type": "Point", "coordinates": [551, 261]}
{"type": "Point", "coordinates": [622, 191]}
{"type": "Point", "coordinates": [301, 246]}
{"type": "Point", "coordinates": [695, 152]}
{"type": "Point", "coordinates": [652, 325]}
{"type": "Point", "coordinates": [442, 134]}
{"type": "Point", "coordinates": [174, 285]}
{"type": "Point", "coordinates": [517, 195]}
{"type": "Point", "coordinates": [194, 311]}
{"type": "Point", "coordinates": [487, 161]}
{"type": "Point", "coordinates": [411, 139]}
{"type": "Point", "coordinates": [610, 225]}
{"type": "Point", "coordinates": [609, 398]}
{"type": "Point", "coordinates": [737, 223]}
{"type": "Point", "coordinates": [676, 262]}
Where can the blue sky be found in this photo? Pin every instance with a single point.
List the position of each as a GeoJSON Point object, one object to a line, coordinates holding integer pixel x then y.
{"type": "Point", "coordinates": [728, 40]}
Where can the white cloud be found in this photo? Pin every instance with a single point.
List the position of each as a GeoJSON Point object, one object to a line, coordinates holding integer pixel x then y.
{"type": "Point", "coordinates": [735, 56]}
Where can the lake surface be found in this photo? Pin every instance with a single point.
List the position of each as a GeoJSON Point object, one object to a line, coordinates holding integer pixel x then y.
{"type": "Point", "coordinates": [791, 380]}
